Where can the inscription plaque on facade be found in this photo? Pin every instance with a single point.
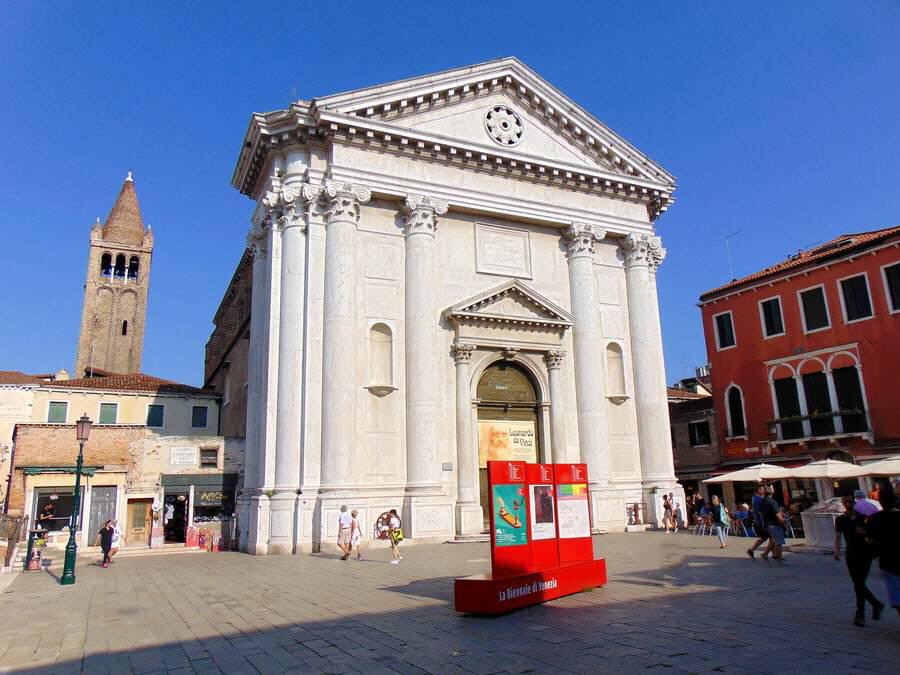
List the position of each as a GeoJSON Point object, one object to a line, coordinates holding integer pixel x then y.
{"type": "Point", "coordinates": [183, 456]}
{"type": "Point", "coordinates": [503, 250]}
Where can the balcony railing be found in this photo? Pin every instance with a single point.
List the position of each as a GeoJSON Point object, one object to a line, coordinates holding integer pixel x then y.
{"type": "Point", "coordinates": [819, 425]}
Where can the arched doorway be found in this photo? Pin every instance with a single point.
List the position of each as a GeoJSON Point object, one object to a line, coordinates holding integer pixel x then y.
{"type": "Point", "coordinates": [509, 416]}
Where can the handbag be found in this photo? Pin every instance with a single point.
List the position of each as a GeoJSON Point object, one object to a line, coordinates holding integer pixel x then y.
{"type": "Point", "coordinates": [397, 535]}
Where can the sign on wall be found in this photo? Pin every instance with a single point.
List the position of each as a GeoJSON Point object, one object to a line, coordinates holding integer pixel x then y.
{"type": "Point", "coordinates": [183, 456]}
{"type": "Point", "coordinates": [502, 440]}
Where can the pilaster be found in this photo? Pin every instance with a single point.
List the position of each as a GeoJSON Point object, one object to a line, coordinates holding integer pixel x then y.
{"type": "Point", "coordinates": [469, 515]}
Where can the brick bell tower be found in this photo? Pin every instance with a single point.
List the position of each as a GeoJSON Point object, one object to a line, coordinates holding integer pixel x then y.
{"type": "Point", "coordinates": [116, 289]}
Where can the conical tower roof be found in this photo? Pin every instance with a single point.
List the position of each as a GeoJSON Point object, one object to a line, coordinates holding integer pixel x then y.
{"type": "Point", "coordinates": [124, 223]}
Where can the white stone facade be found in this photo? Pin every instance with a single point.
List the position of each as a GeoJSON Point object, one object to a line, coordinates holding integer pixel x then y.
{"type": "Point", "coordinates": [406, 238]}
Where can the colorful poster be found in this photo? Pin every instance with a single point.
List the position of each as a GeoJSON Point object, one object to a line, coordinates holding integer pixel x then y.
{"type": "Point", "coordinates": [574, 517]}
{"type": "Point", "coordinates": [506, 441]}
{"type": "Point", "coordinates": [543, 518]}
{"type": "Point", "coordinates": [509, 515]}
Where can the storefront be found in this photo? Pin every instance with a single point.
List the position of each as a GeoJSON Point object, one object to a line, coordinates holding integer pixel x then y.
{"type": "Point", "coordinates": [192, 501]}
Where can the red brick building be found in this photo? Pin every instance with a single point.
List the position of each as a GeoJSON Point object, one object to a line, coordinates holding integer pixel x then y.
{"type": "Point", "coordinates": [805, 354]}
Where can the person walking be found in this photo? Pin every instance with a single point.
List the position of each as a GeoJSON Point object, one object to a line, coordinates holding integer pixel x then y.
{"type": "Point", "coordinates": [345, 529]}
{"type": "Point", "coordinates": [721, 521]}
{"type": "Point", "coordinates": [773, 521]}
{"type": "Point", "coordinates": [117, 539]}
{"type": "Point", "coordinates": [106, 538]}
{"type": "Point", "coordinates": [355, 534]}
{"type": "Point", "coordinates": [762, 534]}
{"type": "Point", "coordinates": [883, 530]}
{"type": "Point", "coordinates": [667, 513]}
{"type": "Point", "coordinates": [859, 556]}
{"type": "Point", "coordinates": [395, 531]}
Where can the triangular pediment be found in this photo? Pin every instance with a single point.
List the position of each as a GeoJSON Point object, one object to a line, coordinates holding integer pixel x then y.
{"type": "Point", "coordinates": [544, 123]}
{"type": "Point", "coordinates": [511, 302]}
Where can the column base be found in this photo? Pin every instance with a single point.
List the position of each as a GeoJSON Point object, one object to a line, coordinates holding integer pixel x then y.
{"type": "Point", "coordinates": [609, 505]}
{"type": "Point", "coordinates": [282, 519]}
{"type": "Point", "coordinates": [242, 509]}
{"type": "Point", "coordinates": [258, 524]}
{"type": "Point", "coordinates": [428, 517]}
{"type": "Point", "coordinates": [469, 519]}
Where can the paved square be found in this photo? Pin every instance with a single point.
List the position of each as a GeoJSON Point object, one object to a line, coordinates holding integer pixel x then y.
{"type": "Point", "coordinates": [674, 604]}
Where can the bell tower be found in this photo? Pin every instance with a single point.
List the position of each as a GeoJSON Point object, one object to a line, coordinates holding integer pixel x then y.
{"type": "Point", "coordinates": [116, 289]}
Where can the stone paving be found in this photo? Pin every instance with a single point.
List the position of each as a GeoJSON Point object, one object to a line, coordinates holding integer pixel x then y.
{"type": "Point", "coordinates": [674, 604]}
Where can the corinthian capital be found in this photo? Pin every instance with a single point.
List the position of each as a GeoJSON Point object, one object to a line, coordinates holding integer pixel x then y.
{"type": "Point", "coordinates": [643, 249]}
{"type": "Point", "coordinates": [554, 358]}
{"type": "Point", "coordinates": [462, 352]}
{"type": "Point", "coordinates": [343, 200]}
{"type": "Point", "coordinates": [580, 238]}
{"type": "Point", "coordinates": [422, 213]}
{"type": "Point", "coordinates": [288, 206]}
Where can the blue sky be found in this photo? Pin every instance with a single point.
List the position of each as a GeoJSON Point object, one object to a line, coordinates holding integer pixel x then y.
{"type": "Point", "coordinates": [780, 122]}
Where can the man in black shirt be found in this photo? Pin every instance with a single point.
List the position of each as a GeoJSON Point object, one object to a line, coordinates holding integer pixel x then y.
{"type": "Point", "coordinates": [106, 535]}
{"type": "Point", "coordinates": [773, 521]}
{"type": "Point", "coordinates": [883, 531]}
{"type": "Point", "coordinates": [859, 559]}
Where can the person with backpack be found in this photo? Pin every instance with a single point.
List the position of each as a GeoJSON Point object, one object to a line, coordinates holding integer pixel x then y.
{"type": "Point", "coordinates": [721, 520]}
{"type": "Point", "coordinates": [859, 556]}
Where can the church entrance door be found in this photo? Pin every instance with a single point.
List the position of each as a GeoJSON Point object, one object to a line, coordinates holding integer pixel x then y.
{"type": "Point", "coordinates": [508, 419]}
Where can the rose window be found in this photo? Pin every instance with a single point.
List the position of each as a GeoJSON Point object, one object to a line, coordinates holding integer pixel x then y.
{"type": "Point", "coordinates": [503, 125]}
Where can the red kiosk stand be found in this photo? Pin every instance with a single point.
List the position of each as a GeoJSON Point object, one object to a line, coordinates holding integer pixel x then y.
{"type": "Point", "coordinates": [541, 545]}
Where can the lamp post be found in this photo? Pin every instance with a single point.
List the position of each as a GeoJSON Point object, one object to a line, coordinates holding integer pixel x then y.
{"type": "Point", "coordinates": [82, 431]}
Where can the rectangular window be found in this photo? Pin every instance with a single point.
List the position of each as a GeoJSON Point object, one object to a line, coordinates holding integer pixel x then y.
{"type": "Point", "coordinates": [855, 294]}
{"type": "Point", "coordinates": [724, 331]}
{"type": "Point", "coordinates": [818, 404]}
{"type": "Point", "coordinates": [198, 416]}
{"type": "Point", "coordinates": [155, 415]}
{"type": "Point", "coordinates": [108, 413]}
{"type": "Point", "coordinates": [815, 311]}
{"type": "Point", "coordinates": [788, 406]}
{"type": "Point", "coordinates": [850, 399]}
{"type": "Point", "coordinates": [773, 323]}
{"type": "Point", "coordinates": [209, 458]}
{"type": "Point", "coordinates": [699, 433]}
{"type": "Point", "coordinates": [56, 413]}
{"type": "Point", "coordinates": [892, 286]}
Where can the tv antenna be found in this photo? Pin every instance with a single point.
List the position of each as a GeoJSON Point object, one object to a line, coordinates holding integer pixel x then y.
{"type": "Point", "coordinates": [728, 251]}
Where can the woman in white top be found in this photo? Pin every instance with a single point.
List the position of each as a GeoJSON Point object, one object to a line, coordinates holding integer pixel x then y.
{"type": "Point", "coordinates": [355, 534]}
{"type": "Point", "coordinates": [345, 523]}
{"type": "Point", "coordinates": [396, 534]}
{"type": "Point", "coordinates": [117, 539]}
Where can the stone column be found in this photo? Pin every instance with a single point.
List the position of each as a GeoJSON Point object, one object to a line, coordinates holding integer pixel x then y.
{"type": "Point", "coordinates": [256, 239]}
{"type": "Point", "coordinates": [590, 385]}
{"type": "Point", "coordinates": [469, 517]}
{"type": "Point", "coordinates": [421, 319]}
{"type": "Point", "coordinates": [553, 360]}
{"type": "Point", "coordinates": [643, 254]}
{"type": "Point", "coordinates": [341, 342]}
{"type": "Point", "coordinates": [287, 206]}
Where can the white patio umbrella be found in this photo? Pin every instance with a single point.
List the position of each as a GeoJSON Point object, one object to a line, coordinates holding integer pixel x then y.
{"type": "Point", "coordinates": [884, 467]}
{"type": "Point", "coordinates": [751, 474]}
{"type": "Point", "coordinates": [826, 468]}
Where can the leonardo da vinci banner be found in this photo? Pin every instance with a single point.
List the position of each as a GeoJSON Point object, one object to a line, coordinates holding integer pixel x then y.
{"type": "Point", "coordinates": [510, 441]}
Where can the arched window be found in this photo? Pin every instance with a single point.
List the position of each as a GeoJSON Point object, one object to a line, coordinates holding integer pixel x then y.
{"type": "Point", "coordinates": [133, 266]}
{"type": "Point", "coordinates": [105, 265]}
{"type": "Point", "coordinates": [124, 328]}
{"type": "Point", "coordinates": [735, 402]}
{"type": "Point", "coordinates": [380, 355]}
{"type": "Point", "coordinates": [120, 266]}
{"type": "Point", "coordinates": [615, 370]}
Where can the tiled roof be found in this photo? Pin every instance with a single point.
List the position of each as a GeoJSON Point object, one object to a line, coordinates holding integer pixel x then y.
{"type": "Point", "coordinates": [124, 223]}
{"type": "Point", "coordinates": [839, 246]}
{"type": "Point", "coordinates": [672, 392]}
{"type": "Point", "coordinates": [16, 377]}
{"type": "Point", "coordinates": [131, 382]}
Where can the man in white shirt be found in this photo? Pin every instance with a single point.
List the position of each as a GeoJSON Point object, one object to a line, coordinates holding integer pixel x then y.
{"type": "Point", "coordinates": [345, 529]}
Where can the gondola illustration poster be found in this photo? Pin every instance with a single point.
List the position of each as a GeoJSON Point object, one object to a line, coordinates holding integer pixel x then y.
{"type": "Point", "coordinates": [510, 516]}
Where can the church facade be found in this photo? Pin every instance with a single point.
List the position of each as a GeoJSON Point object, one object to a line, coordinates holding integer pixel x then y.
{"type": "Point", "coordinates": [447, 270]}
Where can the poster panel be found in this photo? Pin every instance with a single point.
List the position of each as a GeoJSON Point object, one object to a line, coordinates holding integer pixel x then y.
{"type": "Point", "coordinates": [506, 440]}
{"type": "Point", "coordinates": [543, 516]}
{"type": "Point", "coordinates": [574, 515]}
{"type": "Point", "coordinates": [509, 515]}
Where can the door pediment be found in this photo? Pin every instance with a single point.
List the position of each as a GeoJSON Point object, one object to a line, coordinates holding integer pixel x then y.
{"type": "Point", "coordinates": [511, 314]}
